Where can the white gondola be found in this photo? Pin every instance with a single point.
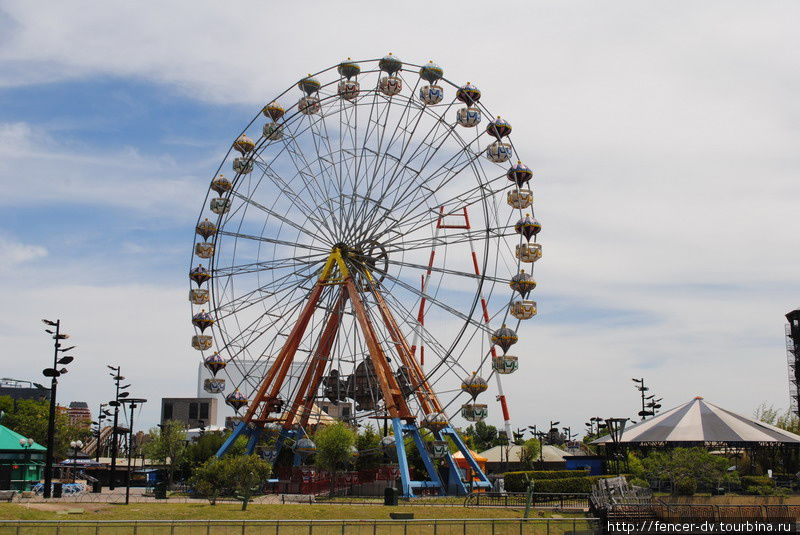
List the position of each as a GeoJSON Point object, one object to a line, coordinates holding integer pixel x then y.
{"type": "Point", "coordinates": [391, 85]}
{"type": "Point", "coordinates": [431, 94]}
{"type": "Point", "coordinates": [468, 117]}
{"type": "Point", "coordinates": [523, 309]}
{"type": "Point", "coordinates": [220, 205]}
{"type": "Point", "coordinates": [202, 342]}
{"type": "Point", "coordinates": [519, 199]}
{"type": "Point", "coordinates": [273, 131]}
{"type": "Point", "coordinates": [505, 364]}
{"type": "Point", "coordinates": [214, 386]}
{"type": "Point", "coordinates": [348, 89]}
{"type": "Point", "coordinates": [498, 152]}
{"type": "Point", "coordinates": [204, 249]}
{"type": "Point", "coordinates": [529, 252]}
{"type": "Point", "coordinates": [308, 105]}
{"type": "Point", "coordinates": [474, 412]}
{"type": "Point", "coordinates": [198, 296]}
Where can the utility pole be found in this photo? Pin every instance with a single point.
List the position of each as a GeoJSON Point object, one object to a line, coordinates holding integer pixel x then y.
{"type": "Point", "coordinates": [133, 402]}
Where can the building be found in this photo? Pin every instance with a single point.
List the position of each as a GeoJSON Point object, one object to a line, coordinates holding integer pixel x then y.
{"type": "Point", "coordinates": [501, 459]}
{"type": "Point", "coordinates": [192, 412]}
{"type": "Point", "coordinates": [79, 414]}
{"type": "Point", "coordinates": [21, 461]}
{"type": "Point", "coordinates": [18, 389]}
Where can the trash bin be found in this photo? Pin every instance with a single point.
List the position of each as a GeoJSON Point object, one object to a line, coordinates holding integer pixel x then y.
{"type": "Point", "coordinates": [160, 491]}
{"type": "Point", "coordinates": [390, 496]}
{"type": "Point", "coordinates": [97, 487]}
{"type": "Point", "coordinates": [58, 490]}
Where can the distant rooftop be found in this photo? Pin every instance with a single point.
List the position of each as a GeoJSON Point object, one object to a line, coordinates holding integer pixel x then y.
{"type": "Point", "coordinates": [78, 405]}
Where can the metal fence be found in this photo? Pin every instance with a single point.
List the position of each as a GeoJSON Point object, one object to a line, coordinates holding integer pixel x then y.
{"type": "Point", "coordinates": [517, 526]}
{"type": "Point", "coordinates": [555, 500]}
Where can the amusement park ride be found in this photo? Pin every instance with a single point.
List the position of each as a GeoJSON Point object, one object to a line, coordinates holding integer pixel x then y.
{"type": "Point", "coordinates": [366, 230]}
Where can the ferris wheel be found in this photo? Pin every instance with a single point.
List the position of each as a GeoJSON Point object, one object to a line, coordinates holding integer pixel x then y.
{"type": "Point", "coordinates": [372, 247]}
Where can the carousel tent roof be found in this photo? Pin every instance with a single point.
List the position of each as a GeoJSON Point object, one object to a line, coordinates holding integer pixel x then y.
{"type": "Point", "coordinates": [9, 441]}
{"type": "Point", "coordinates": [698, 423]}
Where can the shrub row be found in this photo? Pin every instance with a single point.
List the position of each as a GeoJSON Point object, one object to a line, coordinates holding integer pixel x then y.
{"type": "Point", "coordinates": [581, 484]}
{"type": "Point", "coordinates": [520, 479]}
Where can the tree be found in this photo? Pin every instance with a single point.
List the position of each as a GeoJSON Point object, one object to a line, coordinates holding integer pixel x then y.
{"type": "Point", "coordinates": [684, 465]}
{"type": "Point", "coordinates": [211, 479]}
{"type": "Point", "coordinates": [529, 453]}
{"type": "Point", "coordinates": [484, 436]}
{"type": "Point", "coordinates": [246, 474]}
{"type": "Point", "coordinates": [167, 445]}
{"type": "Point", "coordinates": [334, 448]}
{"type": "Point", "coordinates": [205, 447]}
{"type": "Point", "coordinates": [29, 418]}
{"type": "Point", "coordinates": [368, 444]}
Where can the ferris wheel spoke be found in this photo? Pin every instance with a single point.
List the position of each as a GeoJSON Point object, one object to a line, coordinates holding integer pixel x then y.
{"type": "Point", "coordinates": [455, 272]}
{"type": "Point", "coordinates": [429, 298]}
{"type": "Point", "coordinates": [271, 290]}
{"type": "Point", "coordinates": [266, 239]}
{"type": "Point", "coordinates": [279, 217]}
{"type": "Point", "coordinates": [424, 148]}
{"type": "Point", "coordinates": [274, 264]}
{"type": "Point", "coordinates": [385, 151]}
{"type": "Point", "coordinates": [294, 197]}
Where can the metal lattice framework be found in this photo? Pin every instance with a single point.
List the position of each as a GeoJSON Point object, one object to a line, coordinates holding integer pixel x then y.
{"type": "Point", "coordinates": [376, 223]}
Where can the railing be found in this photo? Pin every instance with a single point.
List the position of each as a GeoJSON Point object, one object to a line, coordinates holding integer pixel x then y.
{"type": "Point", "coordinates": [519, 499]}
{"type": "Point", "coordinates": [492, 526]}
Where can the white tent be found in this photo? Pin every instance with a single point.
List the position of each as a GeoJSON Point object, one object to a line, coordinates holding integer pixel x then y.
{"type": "Point", "coordinates": [700, 423]}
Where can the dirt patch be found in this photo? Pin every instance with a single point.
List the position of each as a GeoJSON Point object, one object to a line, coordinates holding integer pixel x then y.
{"type": "Point", "coordinates": [57, 507]}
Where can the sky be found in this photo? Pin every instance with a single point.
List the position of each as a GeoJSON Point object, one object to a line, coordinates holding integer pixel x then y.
{"type": "Point", "coordinates": [663, 137]}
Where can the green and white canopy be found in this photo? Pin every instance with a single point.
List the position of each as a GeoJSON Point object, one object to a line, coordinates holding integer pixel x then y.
{"type": "Point", "coordinates": [9, 441]}
{"type": "Point", "coordinates": [700, 423]}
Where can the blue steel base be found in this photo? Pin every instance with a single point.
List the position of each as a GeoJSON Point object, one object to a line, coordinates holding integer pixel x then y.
{"type": "Point", "coordinates": [455, 486]}
{"type": "Point", "coordinates": [253, 434]}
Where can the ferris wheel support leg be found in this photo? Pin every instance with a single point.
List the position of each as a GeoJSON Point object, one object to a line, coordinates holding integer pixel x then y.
{"type": "Point", "coordinates": [238, 430]}
{"type": "Point", "coordinates": [455, 487]}
{"type": "Point", "coordinates": [483, 481]}
{"type": "Point", "coordinates": [251, 443]}
{"type": "Point", "coordinates": [402, 461]}
{"type": "Point", "coordinates": [426, 459]}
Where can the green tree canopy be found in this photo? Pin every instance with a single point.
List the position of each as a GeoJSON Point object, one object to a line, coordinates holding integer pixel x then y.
{"type": "Point", "coordinates": [334, 448]}
{"type": "Point", "coordinates": [29, 418]}
{"type": "Point", "coordinates": [247, 475]}
{"type": "Point", "coordinates": [167, 445]}
{"type": "Point", "coordinates": [687, 464]}
{"type": "Point", "coordinates": [368, 444]}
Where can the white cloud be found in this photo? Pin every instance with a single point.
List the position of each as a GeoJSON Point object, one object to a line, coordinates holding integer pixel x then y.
{"type": "Point", "coordinates": [13, 252]}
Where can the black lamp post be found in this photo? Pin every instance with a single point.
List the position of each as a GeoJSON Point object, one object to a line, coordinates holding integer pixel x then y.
{"type": "Point", "coordinates": [654, 405]}
{"type": "Point", "coordinates": [76, 445]}
{"type": "Point", "coordinates": [114, 432]}
{"type": "Point", "coordinates": [133, 402]}
{"type": "Point", "coordinates": [644, 413]}
{"type": "Point", "coordinates": [54, 373]}
{"type": "Point", "coordinates": [616, 427]}
{"type": "Point", "coordinates": [26, 444]}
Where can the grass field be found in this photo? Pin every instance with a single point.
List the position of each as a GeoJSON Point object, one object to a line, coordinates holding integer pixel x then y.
{"type": "Point", "coordinates": [225, 511]}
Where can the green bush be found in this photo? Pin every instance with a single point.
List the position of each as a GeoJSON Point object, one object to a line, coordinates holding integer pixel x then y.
{"type": "Point", "coordinates": [639, 482]}
{"type": "Point", "coordinates": [519, 480]}
{"type": "Point", "coordinates": [756, 481]}
{"type": "Point", "coordinates": [685, 486]}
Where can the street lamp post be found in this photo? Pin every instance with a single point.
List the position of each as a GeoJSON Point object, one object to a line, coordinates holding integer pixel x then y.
{"type": "Point", "coordinates": [133, 402]}
{"type": "Point", "coordinates": [616, 426]}
{"type": "Point", "coordinates": [53, 373]}
{"type": "Point", "coordinates": [116, 404]}
{"type": "Point", "coordinates": [642, 389]}
{"type": "Point", "coordinates": [26, 444]}
{"type": "Point", "coordinates": [76, 445]}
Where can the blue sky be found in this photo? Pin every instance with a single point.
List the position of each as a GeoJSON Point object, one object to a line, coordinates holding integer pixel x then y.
{"type": "Point", "coordinates": [663, 138]}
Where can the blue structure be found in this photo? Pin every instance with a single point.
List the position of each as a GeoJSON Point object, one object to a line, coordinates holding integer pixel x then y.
{"type": "Point", "coordinates": [593, 463]}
